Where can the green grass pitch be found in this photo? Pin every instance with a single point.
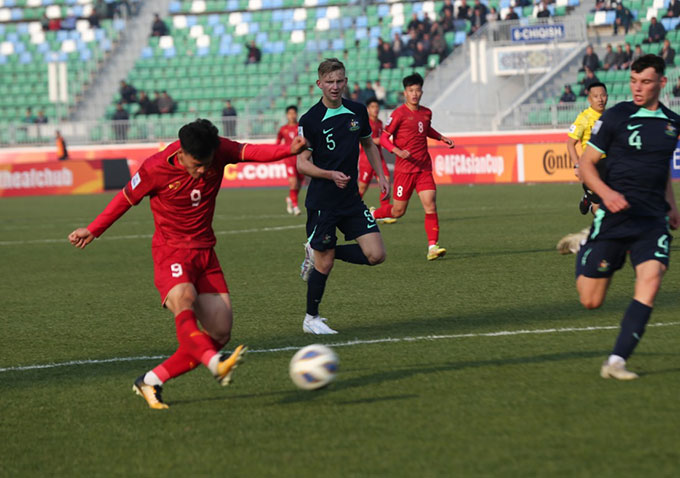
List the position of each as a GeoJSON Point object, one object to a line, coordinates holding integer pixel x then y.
{"type": "Point", "coordinates": [478, 405]}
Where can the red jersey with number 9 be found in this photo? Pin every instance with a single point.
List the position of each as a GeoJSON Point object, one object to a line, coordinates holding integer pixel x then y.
{"type": "Point", "coordinates": [409, 131]}
{"type": "Point", "coordinates": [182, 206]}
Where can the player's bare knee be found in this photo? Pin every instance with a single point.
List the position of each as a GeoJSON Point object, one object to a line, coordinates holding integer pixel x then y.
{"type": "Point", "coordinates": [377, 257]}
{"type": "Point", "coordinates": [591, 302]}
{"type": "Point", "coordinates": [397, 213]}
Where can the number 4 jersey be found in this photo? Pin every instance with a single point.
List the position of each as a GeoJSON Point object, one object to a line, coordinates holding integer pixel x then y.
{"type": "Point", "coordinates": [639, 144]}
{"type": "Point", "coordinates": [333, 135]}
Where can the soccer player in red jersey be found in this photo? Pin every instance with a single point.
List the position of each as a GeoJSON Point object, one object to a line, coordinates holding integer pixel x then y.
{"type": "Point", "coordinates": [366, 172]}
{"type": "Point", "coordinates": [409, 126]}
{"type": "Point", "coordinates": [182, 182]}
{"type": "Point", "coordinates": [285, 136]}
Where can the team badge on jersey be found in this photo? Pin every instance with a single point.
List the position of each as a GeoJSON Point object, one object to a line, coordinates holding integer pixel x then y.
{"type": "Point", "coordinates": [671, 130]}
{"type": "Point", "coordinates": [604, 266]}
{"type": "Point", "coordinates": [353, 125]}
{"type": "Point", "coordinates": [136, 179]}
{"type": "Point", "coordinates": [175, 185]}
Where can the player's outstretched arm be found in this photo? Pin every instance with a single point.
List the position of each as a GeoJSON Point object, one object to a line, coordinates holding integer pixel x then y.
{"type": "Point", "coordinates": [118, 206]}
{"type": "Point", "coordinates": [673, 214]}
{"type": "Point", "coordinates": [265, 153]}
{"type": "Point", "coordinates": [390, 146]}
{"type": "Point", "coordinates": [373, 156]}
{"type": "Point", "coordinates": [308, 168]}
{"type": "Point", "coordinates": [613, 200]}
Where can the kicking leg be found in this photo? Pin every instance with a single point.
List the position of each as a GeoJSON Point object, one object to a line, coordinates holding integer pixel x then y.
{"type": "Point", "coordinates": [592, 291]}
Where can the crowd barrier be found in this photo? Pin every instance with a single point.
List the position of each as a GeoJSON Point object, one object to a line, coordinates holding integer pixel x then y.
{"type": "Point", "coordinates": [523, 157]}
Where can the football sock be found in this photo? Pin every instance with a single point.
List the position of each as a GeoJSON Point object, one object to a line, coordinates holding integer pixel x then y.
{"type": "Point", "coordinates": [351, 253]}
{"type": "Point", "coordinates": [177, 364]}
{"type": "Point", "coordinates": [383, 211]}
{"type": "Point", "coordinates": [195, 342]}
{"type": "Point", "coordinates": [432, 228]}
{"type": "Point", "coordinates": [294, 196]}
{"type": "Point", "coordinates": [384, 201]}
{"type": "Point", "coordinates": [632, 328]}
{"type": "Point", "coordinates": [315, 287]}
{"type": "Point", "coordinates": [152, 379]}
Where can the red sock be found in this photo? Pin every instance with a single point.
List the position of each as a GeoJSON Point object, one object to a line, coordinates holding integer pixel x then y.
{"type": "Point", "coordinates": [195, 342]}
{"type": "Point", "coordinates": [432, 228]}
{"type": "Point", "coordinates": [384, 201]}
{"type": "Point", "coordinates": [294, 196]}
{"type": "Point", "coordinates": [383, 211]}
{"type": "Point", "coordinates": [178, 363]}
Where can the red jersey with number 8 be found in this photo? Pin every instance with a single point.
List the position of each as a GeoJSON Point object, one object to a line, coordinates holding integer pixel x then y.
{"type": "Point", "coordinates": [409, 130]}
{"type": "Point", "coordinates": [182, 206]}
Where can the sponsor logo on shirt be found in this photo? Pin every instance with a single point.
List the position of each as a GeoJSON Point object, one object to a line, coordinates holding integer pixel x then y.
{"type": "Point", "coordinates": [353, 125]}
{"type": "Point", "coordinates": [596, 127]}
{"type": "Point", "coordinates": [136, 179]}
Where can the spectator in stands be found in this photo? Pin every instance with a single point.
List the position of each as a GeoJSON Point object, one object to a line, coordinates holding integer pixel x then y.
{"type": "Point", "coordinates": [463, 11]}
{"type": "Point", "coordinates": [621, 58]}
{"type": "Point", "coordinates": [228, 120]}
{"type": "Point", "coordinates": [427, 42]}
{"type": "Point", "coordinates": [656, 32]}
{"type": "Point", "coordinates": [93, 19]}
{"type": "Point", "coordinates": [254, 53]}
{"type": "Point", "coordinates": [379, 92]}
{"type": "Point", "coordinates": [158, 27]}
{"type": "Point", "coordinates": [28, 118]}
{"type": "Point", "coordinates": [511, 15]}
{"type": "Point", "coordinates": [628, 52]}
{"type": "Point", "coordinates": [69, 23]}
{"type": "Point", "coordinates": [477, 20]}
{"type": "Point", "coordinates": [366, 93]}
{"type": "Point", "coordinates": [673, 9]}
{"type": "Point", "coordinates": [448, 6]}
{"type": "Point", "coordinates": [166, 104]}
{"type": "Point", "coordinates": [41, 118]}
{"type": "Point", "coordinates": [609, 60]}
{"type": "Point", "coordinates": [568, 95]}
{"type": "Point", "coordinates": [676, 89]}
{"type": "Point", "coordinates": [386, 57]}
{"type": "Point", "coordinates": [667, 53]}
{"type": "Point", "coordinates": [146, 106]}
{"type": "Point", "coordinates": [623, 19]}
{"type": "Point", "coordinates": [447, 21]}
{"type": "Point", "coordinates": [120, 122]}
{"type": "Point", "coordinates": [588, 80]}
{"type": "Point", "coordinates": [590, 60]}
{"type": "Point", "coordinates": [45, 22]}
{"type": "Point", "coordinates": [414, 23]}
{"type": "Point", "coordinates": [493, 15]}
{"type": "Point", "coordinates": [636, 54]}
{"type": "Point", "coordinates": [542, 10]}
{"type": "Point", "coordinates": [439, 46]}
{"type": "Point", "coordinates": [62, 152]}
{"type": "Point", "coordinates": [484, 9]}
{"type": "Point", "coordinates": [128, 93]}
{"type": "Point", "coordinates": [420, 55]}
{"type": "Point", "coordinates": [397, 45]}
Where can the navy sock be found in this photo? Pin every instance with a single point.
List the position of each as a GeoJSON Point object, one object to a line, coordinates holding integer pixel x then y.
{"type": "Point", "coordinates": [632, 327]}
{"type": "Point", "coordinates": [351, 253]}
{"type": "Point", "coordinates": [316, 284]}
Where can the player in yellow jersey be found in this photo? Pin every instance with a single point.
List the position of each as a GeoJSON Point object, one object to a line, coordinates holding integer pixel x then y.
{"type": "Point", "coordinates": [578, 136]}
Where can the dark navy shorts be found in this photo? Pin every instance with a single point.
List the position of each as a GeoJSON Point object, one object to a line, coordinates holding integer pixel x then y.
{"type": "Point", "coordinates": [603, 253]}
{"type": "Point", "coordinates": [352, 222]}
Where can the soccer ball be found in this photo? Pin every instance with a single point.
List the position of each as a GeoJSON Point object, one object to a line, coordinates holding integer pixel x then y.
{"type": "Point", "coordinates": [313, 367]}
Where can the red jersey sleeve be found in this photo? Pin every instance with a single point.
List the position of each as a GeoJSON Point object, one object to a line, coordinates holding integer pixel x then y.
{"type": "Point", "coordinates": [142, 184]}
{"type": "Point", "coordinates": [392, 125]}
{"type": "Point", "coordinates": [433, 133]}
{"type": "Point", "coordinates": [280, 138]}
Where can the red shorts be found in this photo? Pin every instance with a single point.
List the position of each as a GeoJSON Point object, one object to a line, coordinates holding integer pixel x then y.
{"type": "Point", "coordinates": [200, 267]}
{"type": "Point", "coordinates": [291, 168]}
{"type": "Point", "coordinates": [405, 183]}
{"type": "Point", "coordinates": [366, 172]}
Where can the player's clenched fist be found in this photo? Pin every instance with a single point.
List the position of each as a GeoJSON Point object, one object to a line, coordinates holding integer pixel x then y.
{"type": "Point", "coordinates": [448, 142]}
{"type": "Point", "coordinates": [615, 202]}
{"type": "Point", "coordinates": [298, 145]}
{"type": "Point", "coordinates": [81, 237]}
{"type": "Point", "coordinates": [402, 153]}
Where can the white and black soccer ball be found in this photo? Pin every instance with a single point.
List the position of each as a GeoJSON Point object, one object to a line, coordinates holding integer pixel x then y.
{"type": "Point", "coordinates": [313, 367]}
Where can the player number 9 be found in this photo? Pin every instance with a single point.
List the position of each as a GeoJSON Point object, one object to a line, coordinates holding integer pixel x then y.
{"type": "Point", "coordinates": [195, 197]}
{"type": "Point", "coordinates": [176, 269]}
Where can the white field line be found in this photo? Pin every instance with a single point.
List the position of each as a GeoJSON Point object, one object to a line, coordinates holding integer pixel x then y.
{"type": "Point", "coordinates": [349, 343]}
{"type": "Point", "coordinates": [148, 236]}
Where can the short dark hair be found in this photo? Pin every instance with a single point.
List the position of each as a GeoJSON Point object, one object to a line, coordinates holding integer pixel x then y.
{"type": "Point", "coordinates": [649, 61]}
{"type": "Point", "coordinates": [291, 107]}
{"type": "Point", "coordinates": [595, 85]}
{"type": "Point", "coordinates": [413, 79]}
{"type": "Point", "coordinates": [199, 139]}
{"type": "Point", "coordinates": [372, 99]}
